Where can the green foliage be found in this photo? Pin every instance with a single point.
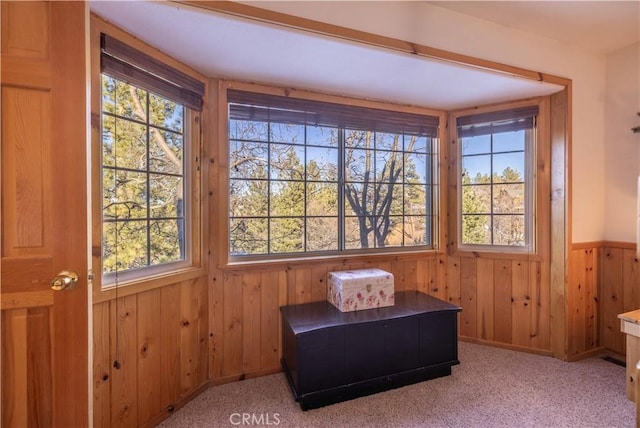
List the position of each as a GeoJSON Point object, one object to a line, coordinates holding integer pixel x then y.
{"type": "Point", "coordinates": [385, 194]}
{"type": "Point", "coordinates": [493, 208]}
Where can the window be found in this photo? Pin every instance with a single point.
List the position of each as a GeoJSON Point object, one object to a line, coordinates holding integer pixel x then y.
{"type": "Point", "coordinates": [496, 179]}
{"type": "Point", "coordinates": [145, 172]}
{"type": "Point", "coordinates": [309, 177]}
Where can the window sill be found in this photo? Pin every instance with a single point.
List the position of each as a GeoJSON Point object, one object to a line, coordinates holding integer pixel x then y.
{"type": "Point", "coordinates": [235, 265]}
{"type": "Point", "coordinates": [497, 254]}
{"type": "Point", "coordinates": [139, 285]}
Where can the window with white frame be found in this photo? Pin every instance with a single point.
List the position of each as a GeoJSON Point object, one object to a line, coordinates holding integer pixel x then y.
{"type": "Point", "coordinates": [310, 177]}
{"type": "Point", "coordinates": [496, 180]}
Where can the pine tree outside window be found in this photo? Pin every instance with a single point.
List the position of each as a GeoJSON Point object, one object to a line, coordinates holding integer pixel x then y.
{"type": "Point", "coordinates": [496, 180]}
{"type": "Point", "coordinates": [143, 171]}
{"type": "Point", "coordinates": [309, 177]}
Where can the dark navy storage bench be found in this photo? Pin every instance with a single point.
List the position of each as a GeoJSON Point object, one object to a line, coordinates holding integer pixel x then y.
{"type": "Point", "coordinates": [331, 356]}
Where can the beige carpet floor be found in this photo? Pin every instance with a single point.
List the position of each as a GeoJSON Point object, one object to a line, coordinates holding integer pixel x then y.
{"type": "Point", "coordinates": [490, 388]}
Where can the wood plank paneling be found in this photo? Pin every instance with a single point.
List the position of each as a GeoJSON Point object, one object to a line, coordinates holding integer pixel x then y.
{"type": "Point", "coordinates": [170, 344]}
{"type": "Point", "coordinates": [269, 353]}
{"type": "Point", "coordinates": [449, 277]}
{"type": "Point", "coordinates": [102, 365]}
{"type": "Point", "coordinates": [192, 365]}
{"type": "Point", "coordinates": [124, 397]}
{"type": "Point", "coordinates": [233, 324]}
{"type": "Point", "coordinates": [252, 320]}
{"type": "Point", "coordinates": [503, 300]}
{"type": "Point", "coordinates": [485, 299]}
{"type": "Point", "coordinates": [631, 280]}
{"type": "Point", "coordinates": [575, 299]}
{"type": "Point", "coordinates": [521, 304]}
{"type": "Point", "coordinates": [468, 297]}
{"type": "Point", "coordinates": [149, 386]}
{"type": "Point", "coordinates": [216, 322]}
{"type": "Point", "coordinates": [541, 334]}
{"type": "Point", "coordinates": [159, 339]}
{"type": "Point", "coordinates": [590, 299]}
{"type": "Point", "coordinates": [612, 298]}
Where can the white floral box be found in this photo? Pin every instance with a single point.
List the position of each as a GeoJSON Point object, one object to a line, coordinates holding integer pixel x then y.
{"type": "Point", "coordinates": [357, 289]}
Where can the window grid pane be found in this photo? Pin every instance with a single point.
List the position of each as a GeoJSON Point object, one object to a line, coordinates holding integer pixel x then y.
{"type": "Point", "coordinates": [143, 178]}
{"type": "Point", "coordinates": [385, 200]}
{"type": "Point", "coordinates": [494, 187]}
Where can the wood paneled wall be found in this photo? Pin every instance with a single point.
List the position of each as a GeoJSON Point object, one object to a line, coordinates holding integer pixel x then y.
{"type": "Point", "coordinates": [150, 353]}
{"type": "Point", "coordinates": [504, 301]}
{"type": "Point", "coordinates": [619, 291]}
{"type": "Point", "coordinates": [244, 305]}
{"type": "Point", "coordinates": [604, 281]}
{"type": "Point", "coordinates": [583, 335]}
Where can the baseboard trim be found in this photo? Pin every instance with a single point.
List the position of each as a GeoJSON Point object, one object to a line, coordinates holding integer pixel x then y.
{"type": "Point", "coordinates": [511, 347]}
{"type": "Point", "coordinates": [154, 421]}
{"type": "Point", "coordinates": [587, 354]}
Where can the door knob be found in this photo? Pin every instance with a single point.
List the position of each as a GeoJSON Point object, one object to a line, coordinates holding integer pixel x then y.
{"type": "Point", "coordinates": [65, 279]}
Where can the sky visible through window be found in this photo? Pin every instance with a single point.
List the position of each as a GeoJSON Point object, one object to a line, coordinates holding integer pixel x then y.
{"type": "Point", "coordinates": [508, 152]}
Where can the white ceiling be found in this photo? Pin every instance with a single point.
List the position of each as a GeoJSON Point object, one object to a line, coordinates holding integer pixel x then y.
{"type": "Point", "coordinates": [219, 45]}
{"type": "Point", "coordinates": [596, 26]}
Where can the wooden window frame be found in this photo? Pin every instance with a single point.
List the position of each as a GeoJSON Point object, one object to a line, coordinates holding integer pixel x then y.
{"type": "Point", "coordinates": [222, 180]}
{"type": "Point", "coordinates": [195, 219]}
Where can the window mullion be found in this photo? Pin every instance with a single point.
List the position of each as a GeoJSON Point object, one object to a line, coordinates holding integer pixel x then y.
{"type": "Point", "coordinates": [491, 211]}
{"type": "Point", "coordinates": [341, 185]}
{"type": "Point", "coordinates": [148, 193]}
{"type": "Point", "coordinates": [269, 186]}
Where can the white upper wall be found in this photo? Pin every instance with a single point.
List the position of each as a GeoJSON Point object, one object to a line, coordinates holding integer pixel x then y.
{"type": "Point", "coordinates": [444, 29]}
{"type": "Point", "coordinates": [622, 154]}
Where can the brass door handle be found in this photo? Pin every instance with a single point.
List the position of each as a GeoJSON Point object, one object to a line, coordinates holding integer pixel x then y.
{"type": "Point", "coordinates": [65, 279]}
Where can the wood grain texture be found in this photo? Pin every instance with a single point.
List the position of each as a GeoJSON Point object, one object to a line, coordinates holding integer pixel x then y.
{"type": "Point", "coordinates": [27, 34]}
{"type": "Point", "coordinates": [612, 298]}
{"type": "Point", "coordinates": [43, 107]}
{"type": "Point", "coordinates": [171, 346]}
{"type": "Point", "coordinates": [124, 355]}
{"type": "Point", "coordinates": [26, 151]}
{"type": "Point", "coordinates": [39, 367]}
{"type": "Point", "coordinates": [503, 300]}
{"type": "Point", "coordinates": [468, 296]}
{"type": "Point", "coordinates": [521, 330]}
{"type": "Point", "coordinates": [560, 227]}
{"type": "Point", "coordinates": [14, 369]}
{"type": "Point", "coordinates": [160, 340]}
{"type": "Point", "coordinates": [102, 364]}
{"type": "Point", "coordinates": [149, 357]}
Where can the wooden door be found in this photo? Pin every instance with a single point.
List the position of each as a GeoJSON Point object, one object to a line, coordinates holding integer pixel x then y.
{"type": "Point", "coordinates": [44, 214]}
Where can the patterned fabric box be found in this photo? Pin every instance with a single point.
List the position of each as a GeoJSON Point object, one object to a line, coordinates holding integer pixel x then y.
{"type": "Point", "coordinates": [353, 290]}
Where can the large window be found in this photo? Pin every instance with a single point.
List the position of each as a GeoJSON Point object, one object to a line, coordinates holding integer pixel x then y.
{"type": "Point", "coordinates": [496, 180]}
{"type": "Point", "coordinates": [145, 170]}
{"type": "Point", "coordinates": [315, 177]}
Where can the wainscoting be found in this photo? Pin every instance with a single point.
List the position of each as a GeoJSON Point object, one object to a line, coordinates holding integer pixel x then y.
{"type": "Point", "coordinates": [619, 282]}
{"type": "Point", "coordinates": [171, 342]}
{"type": "Point", "coordinates": [245, 302]}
